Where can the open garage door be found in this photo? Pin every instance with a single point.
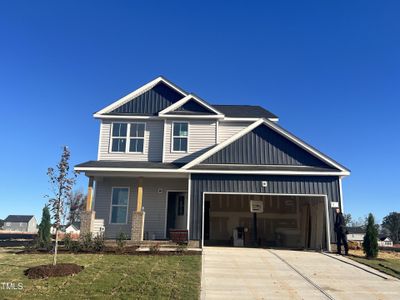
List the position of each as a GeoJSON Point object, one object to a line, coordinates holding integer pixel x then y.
{"type": "Point", "coordinates": [285, 221]}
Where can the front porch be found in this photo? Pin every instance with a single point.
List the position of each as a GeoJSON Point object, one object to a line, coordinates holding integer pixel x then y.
{"type": "Point", "coordinates": [143, 208]}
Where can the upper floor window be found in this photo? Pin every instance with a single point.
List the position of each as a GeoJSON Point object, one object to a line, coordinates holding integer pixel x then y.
{"type": "Point", "coordinates": [120, 141]}
{"type": "Point", "coordinates": [136, 142]}
{"type": "Point", "coordinates": [180, 136]}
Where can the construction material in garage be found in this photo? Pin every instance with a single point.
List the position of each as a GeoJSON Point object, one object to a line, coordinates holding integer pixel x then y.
{"type": "Point", "coordinates": [297, 222]}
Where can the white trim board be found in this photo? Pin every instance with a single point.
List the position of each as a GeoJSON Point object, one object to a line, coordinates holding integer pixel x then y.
{"type": "Point", "coordinates": [230, 119]}
{"type": "Point", "coordinates": [243, 119]}
{"type": "Point", "coordinates": [183, 171]}
{"type": "Point", "coordinates": [277, 129]}
{"type": "Point", "coordinates": [137, 93]}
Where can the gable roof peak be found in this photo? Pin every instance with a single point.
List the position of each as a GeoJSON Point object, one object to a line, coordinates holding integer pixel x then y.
{"type": "Point", "coordinates": [141, 90]}
{"type": "Point", "coordinates": [191, 97]}
{"type": "Point", "coordinates": [277, 129]}
{"type": "Point", "coordinates": [18, 218]}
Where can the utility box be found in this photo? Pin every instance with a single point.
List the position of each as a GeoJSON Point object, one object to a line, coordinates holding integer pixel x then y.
{"type": "Point", "coordinates": [238, 237]}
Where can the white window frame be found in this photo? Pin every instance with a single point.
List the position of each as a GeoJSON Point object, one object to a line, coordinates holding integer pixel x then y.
{"type": "Point", "coordinates": [173, 136]}
{"type": "Point", "coordinates": [138, 138]}
{"type": "Point", "coordinates": [112, 205]}
{"type": "Point", "coordinates": [128, 138]}
{"type": "Point", "coordinates": [111, 136]}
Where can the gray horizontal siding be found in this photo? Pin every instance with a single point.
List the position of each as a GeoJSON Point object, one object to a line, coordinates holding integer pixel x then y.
{"type": "Point", "coordinates": [153, 140]}
{"type": "Point", "coordinates": [154, 203]}
{"type": "Point", "coordinates": [202, 135]}
{"type": "Point", "coordinates": [151, 101]}
{"type": "Point", "coordinates": [230, 128]}
{"type": "Point", "coordinates": [263, 146]}
{"type": "Point", "coordinates": [16, 226]}
{"type": "Point", "coordinates": [200, 183]}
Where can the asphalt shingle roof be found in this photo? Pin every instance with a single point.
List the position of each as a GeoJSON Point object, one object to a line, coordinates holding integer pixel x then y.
{"type": "Point", "coordinates": [244, 111]}
{"type": "Point", "coordinates": [128, 164]}
{"type": "Point", "coordinates": [258, 168]}
{"type": "Point", "coordinates": [355, 230]}
{"type": "Point", "coordinates": [18, 218]}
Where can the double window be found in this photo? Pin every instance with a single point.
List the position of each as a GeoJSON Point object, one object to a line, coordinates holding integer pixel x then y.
{"type": "Point", "coordinates": [119, 205]}
{"type": "Point", "coordinates": [180, 136]}
{"type": "Point", "coordinates": [127, 137]}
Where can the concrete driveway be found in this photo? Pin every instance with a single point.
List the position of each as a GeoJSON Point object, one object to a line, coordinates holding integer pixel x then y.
{"type": "Point", "coordinates": [245, 273]}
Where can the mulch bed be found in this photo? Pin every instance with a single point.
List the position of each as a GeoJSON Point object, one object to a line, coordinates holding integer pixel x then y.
{"type": "Point", "coordinates": [128, 250]}
{"type": "Point", "coordinates": [58, 270]}
{"type": "Point", "coordinates": [111, 251]}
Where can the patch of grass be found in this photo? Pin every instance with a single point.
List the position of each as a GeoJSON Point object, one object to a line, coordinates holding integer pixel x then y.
{"type": "Point", "coordinates": [105, 276]}
{"type": "Point", "coordinates": [388, 264]}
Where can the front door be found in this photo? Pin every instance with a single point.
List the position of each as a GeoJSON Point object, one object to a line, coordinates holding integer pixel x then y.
{"type": "Point", "coordinates": [176, 211]}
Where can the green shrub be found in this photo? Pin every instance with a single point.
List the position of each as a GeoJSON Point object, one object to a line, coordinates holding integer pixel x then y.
{"type": "Point", "coordinates": [121, 240]}
{"type": "Point", "coordinates": [370, 244]}
{"type": "Point", "coordinates": [86, 242]}
{"type": "Point", "coordinates": [67, 241]}
{"type": "Point", "coordinates": [98, 243]}
{"type": "Point", "coordinates": [75, 246]}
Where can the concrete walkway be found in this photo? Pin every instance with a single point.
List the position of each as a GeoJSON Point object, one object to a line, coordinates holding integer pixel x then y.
{"type": "Point", "coordinates": [245, 273]}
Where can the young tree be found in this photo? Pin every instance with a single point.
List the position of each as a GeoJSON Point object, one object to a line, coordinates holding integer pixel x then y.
{"type": "Point", "coordinates": [61, 182]}
{"type": "Point", "coordinates": [360, 222]}
{"type": "Point", "coordinates": [392, 223]}
{"type": "Point", "coordinates": [75, 205]}
{"type": "Point", "coordinates": [44, 228]}
{"type": "Point", "coordinates": [370, 244]}
{"type": "Point", "coordinates": [347, 219]}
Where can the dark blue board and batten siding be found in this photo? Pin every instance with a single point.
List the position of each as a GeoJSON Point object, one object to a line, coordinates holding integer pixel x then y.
{"type": "Point", "coordinates": [150, 102]}
{"type": "Point", "coordinates": [264, 146]}
{"type": "Point", "coordinates": [315, 185]}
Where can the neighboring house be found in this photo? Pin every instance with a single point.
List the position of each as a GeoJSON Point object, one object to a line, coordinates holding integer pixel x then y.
{"type": "Point", "coordinates": [385, 241]}
{"type": "Point", "coordinates": [168, 160]}
{"type": "Point", "coordinates": [356, 234]}
{"type": "Point", "coordinates": [20, 223]}
{"type": "Point", "coordinates": [73, 228]}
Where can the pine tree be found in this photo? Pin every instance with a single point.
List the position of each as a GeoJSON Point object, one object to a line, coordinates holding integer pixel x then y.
{"type": "Point", "coordinates": [44, 234]}
{"type": "Point", "coordinates": [370, 245]}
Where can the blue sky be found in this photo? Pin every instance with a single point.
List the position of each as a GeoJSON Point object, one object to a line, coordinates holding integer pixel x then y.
{"type": "Point", "coordinates": [329, 69]}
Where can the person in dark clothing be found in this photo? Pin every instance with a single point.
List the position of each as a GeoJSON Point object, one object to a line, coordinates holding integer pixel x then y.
{"type": "Point", "coordinates": [340, 229]}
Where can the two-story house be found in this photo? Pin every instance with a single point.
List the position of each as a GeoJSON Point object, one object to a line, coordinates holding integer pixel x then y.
{"type": "Point", "coordinates": [20, 223]}
{"type": "Point", "coordinates": [168, 159]}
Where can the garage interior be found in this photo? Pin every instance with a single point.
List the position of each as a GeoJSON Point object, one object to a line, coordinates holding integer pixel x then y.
{"type": "Point", "coordinates": [294, 222]}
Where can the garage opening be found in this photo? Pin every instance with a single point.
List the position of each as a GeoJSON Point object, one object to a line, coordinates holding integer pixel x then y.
{"type": "Point", "coordinates": [283, 221]}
